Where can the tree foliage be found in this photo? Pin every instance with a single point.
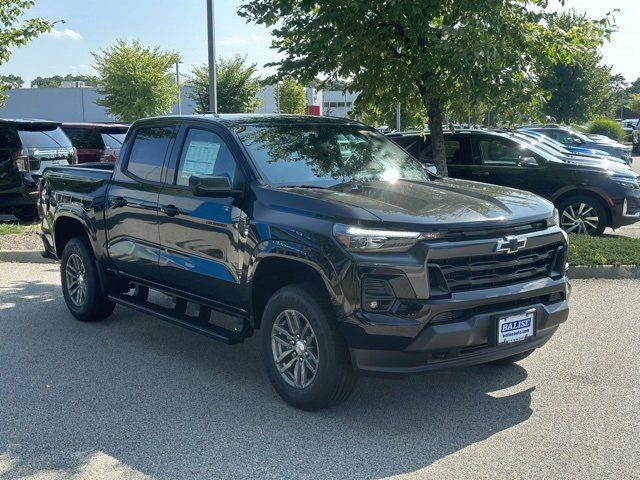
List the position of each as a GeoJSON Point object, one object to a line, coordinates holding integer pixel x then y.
{"type": "Point", "coordinates": [580, 87]}
{"type": "Point", "coordinates": [290, 97]}
{"type": "Point", "coordinates": [633, 103]}
{"type": "Point", "coordinates": [135, 81]}
{"type": "Point", "coordinates": [446, 52]}
{"type": "Point", "coordinates": [55, 81]}
{"type": "Point", "coordinates": [8, 82]}
{"type": "Point", "coordinates": [237, 84]}
{"type": "Point", "coordinates": [14, 32]}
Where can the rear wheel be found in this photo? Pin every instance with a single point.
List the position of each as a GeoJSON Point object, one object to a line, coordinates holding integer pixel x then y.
{"type": "Point", "coordinates": [306, 358]}
{"type": "Point", "coordinates": [582, 215]}
{"type": "Point", "coordinates": [80, 283]}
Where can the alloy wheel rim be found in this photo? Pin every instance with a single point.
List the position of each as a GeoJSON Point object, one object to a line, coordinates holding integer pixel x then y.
{"type": "Point", "coordinates": [295, 349]}
{"type": "Point", "coordinates": [76, 279]}
{"type": "Point", "coordinates": [580, 218]}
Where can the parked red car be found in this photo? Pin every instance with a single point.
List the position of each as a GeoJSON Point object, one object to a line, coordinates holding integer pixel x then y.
{"type": "Point", "coordinates": [96, 142]}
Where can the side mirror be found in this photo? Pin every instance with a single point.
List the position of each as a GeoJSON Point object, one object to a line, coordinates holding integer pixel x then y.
{"type": "Point", "coordinates": [577, 141]}
{"type": "Point", "coordinates": [212, 186]}
{"type": "Point", "coordinates": [530, 162]}
{"type": "Point", "coordinates": [431, 168]}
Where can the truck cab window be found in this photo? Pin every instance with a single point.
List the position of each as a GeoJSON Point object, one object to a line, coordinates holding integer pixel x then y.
{"type": "Point", "coordinates": [204, 153]}
{"type": "Point", "coordinates": [148, 152]}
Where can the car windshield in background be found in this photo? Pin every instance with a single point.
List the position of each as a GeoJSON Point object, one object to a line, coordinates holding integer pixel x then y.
{"type": "Point", "coordinates": [326, 155]}
{"type": "Point", "coordinates": [113, 139]}
{"type": "Point", "coordinates": [43, 137]}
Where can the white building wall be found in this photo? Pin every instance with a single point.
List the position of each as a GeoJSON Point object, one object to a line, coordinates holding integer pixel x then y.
{"type": "Point", "coordinates": [78, 104]}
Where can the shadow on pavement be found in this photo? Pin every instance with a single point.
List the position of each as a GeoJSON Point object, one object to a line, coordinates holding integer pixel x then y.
{"type": "Point", "coordinates": [147, 398]}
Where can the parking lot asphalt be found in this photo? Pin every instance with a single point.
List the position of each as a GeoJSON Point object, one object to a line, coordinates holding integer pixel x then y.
{"type": "Point", "coordinates": [134, 397]}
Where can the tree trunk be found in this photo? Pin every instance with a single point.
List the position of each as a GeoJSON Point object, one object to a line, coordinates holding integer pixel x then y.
{"type": "Point", "coordinates": [434, 110]}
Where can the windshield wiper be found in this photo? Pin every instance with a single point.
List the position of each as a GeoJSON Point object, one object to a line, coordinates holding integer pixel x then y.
{"type": "Point", "coordinates": [300, 186]}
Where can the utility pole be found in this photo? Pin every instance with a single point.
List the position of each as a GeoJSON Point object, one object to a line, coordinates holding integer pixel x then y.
{"type": "Point", "coordinates": [211, 37]}
{"type": "Point", "coordinates": [178, 85]}
{"type": "Point", "coordinates": [398, 123]}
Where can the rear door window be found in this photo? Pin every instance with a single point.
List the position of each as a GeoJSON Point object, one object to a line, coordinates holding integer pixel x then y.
{"type": "Point", "coordinates": [113, 139]}
{"type": "Point", "coordinates": [39, 137]}
{"type": "Point", "coordinates": [85, 138]}
{"type": "Point", "coordinates": [148, 152]}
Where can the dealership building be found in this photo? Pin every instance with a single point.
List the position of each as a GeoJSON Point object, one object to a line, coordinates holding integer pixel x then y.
{"type": "Point", "coordinates": [77, 103]}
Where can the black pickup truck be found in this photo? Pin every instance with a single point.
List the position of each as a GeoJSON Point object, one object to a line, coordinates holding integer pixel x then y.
{"type": "Point", "coordinates": [341, 248]}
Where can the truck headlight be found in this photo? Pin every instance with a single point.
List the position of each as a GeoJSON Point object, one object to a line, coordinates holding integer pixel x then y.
{"type": "Point", "coordinates": [554, 220]}
{"type": "Point", "coordinates": [360, 239]}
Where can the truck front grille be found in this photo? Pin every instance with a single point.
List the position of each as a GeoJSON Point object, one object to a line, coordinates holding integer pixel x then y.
{"type": "Point", "coordinates": [472, 273]}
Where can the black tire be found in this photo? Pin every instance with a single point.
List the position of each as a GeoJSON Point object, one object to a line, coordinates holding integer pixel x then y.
{"type": "Point", "coordinates": [569, 208]}
{"type": "Point", "coordinates": [513, 358]}
{"type": "Point", "coordinates": [93, 306]}
{"type": "Point", "coordinates": [334, 378]}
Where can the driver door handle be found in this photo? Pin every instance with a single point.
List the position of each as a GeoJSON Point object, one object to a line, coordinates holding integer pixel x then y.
{"type": "Point", "coordinates": [170, 210]}
{"type": "Point", "coordinates": [118, 202]}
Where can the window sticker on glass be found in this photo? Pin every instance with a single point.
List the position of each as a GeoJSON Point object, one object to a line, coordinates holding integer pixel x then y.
{"type": "Point", "coordinates": [200, 158]}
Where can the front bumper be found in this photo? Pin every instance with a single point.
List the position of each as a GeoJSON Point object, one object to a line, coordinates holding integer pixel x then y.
{"type": "Point", "coordinates": [420, 324]}
{"type": "Point", "coordinates": [469, 341]}
{"type": "Point", "coordinates": [627, 211]}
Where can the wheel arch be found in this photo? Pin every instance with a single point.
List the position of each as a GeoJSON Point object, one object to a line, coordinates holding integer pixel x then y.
{"type": "Point", "coordinates": [276, 267]}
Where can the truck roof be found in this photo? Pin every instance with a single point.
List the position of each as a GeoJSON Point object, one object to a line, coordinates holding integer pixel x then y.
{"type": "Point", "coordinates": [231, 119]}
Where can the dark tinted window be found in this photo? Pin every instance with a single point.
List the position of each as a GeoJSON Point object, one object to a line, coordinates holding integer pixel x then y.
{"type": "Point", "coordinates": [499, 152]}
{"type": "Point", "coordinates": [84, 137]}
{"type": "Point", "coordinates": [33, 136]}
{"type": "Point", "coordinates": [9, 137]}
{"type": "Point", "coordinates": [148, 152]}
{"type": "Point", "coordinates": [204, 153]}
{"type": "Point", "coordinates": [113, 140]}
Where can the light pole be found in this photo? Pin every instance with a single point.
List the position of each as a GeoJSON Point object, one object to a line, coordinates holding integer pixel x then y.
{"type": "Point", "coordinates": [178, 85]}
{"type": "Point", "coordinates": [398, 119]}
{"type": "Point", "coordinates": [211, 37]}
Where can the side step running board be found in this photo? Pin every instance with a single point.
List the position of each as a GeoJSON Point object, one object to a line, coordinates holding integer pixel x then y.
{"type": "Point", "coordinates": [177, 317]}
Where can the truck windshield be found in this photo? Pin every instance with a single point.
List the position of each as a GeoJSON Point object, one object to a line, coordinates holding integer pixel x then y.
{"type": "Point", "coordinates": [326, 155]}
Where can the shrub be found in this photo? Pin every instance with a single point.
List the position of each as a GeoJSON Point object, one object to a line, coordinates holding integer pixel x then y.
{"type": "Point", "coordinates": [608, 127]}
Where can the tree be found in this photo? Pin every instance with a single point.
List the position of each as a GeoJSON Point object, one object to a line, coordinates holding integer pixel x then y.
{"type": "Point", "coordinates": [135, 81]}
{"type": "Point", "coordinates": [633, 103]}
{"type": "Point", "coordinates": [237, 85]}
{"type": "Point", "coordinates": [56, 80]}
{"type": "Point", "coordinates": [8, 82]}
{"type": "Point", "coordinates": [580, 87]}
{"type": "Point", "coordinates": [290, 97]}
{"type": "Point", "coordinates": [488, 50]}
{"type": "Point", "coordinates": [14, 33]}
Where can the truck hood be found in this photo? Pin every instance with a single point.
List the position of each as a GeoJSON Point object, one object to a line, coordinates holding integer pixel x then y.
{"type": "Point", "coordinates": [441, 202]}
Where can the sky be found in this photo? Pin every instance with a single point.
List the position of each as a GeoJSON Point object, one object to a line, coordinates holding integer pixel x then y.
{"type": "Point", "coordinates": [91, 25]}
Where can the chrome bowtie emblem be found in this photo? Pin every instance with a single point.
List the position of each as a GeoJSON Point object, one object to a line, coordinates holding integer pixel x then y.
{"type": "Point", "coordinates": [510, 244]}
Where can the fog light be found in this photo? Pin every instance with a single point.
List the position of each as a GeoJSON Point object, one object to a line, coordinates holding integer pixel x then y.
{"type": "Point", "coordinates": [373, 305]}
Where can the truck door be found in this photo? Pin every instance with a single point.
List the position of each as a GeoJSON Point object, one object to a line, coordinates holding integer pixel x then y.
{"type": "Point", "coordinates": [201, 237]}
{"type": "Point", "coordinates": [132, 202]}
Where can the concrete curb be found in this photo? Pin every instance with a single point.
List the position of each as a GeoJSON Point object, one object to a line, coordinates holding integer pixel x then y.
{"type": "Point", "coordinates": [23, 256]}
{"type": "Point", "coordinates": [610, 272]}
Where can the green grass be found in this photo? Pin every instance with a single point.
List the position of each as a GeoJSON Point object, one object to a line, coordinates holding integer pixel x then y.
{"type": "Point", "coordinates": [9, 228]}
{"type": "Point", "coordinates": [593, 251]}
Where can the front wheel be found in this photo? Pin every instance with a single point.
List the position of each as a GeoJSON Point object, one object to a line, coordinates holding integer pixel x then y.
{"type": "Point", "coordinates": [80, 283]}
{"type": "Point", "coordinates": [582, 215]}
{"type": "Point", "coordinates": [306, 358]}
